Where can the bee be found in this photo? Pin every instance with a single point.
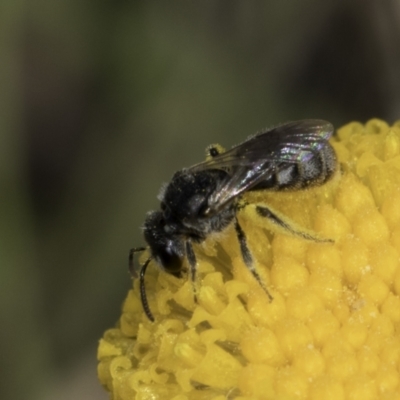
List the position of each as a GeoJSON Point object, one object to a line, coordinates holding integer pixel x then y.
{"type": "Point", "coordinates": [204, 199]}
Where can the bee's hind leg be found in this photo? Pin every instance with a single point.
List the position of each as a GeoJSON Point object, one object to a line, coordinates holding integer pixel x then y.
{"type": "Point", "coordinates": [280, 223]}
{"type": "Point", "coordinates": [248, 258]}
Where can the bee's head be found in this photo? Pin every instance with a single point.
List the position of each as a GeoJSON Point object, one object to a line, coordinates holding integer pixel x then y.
{"type": "Point", "coordinates": [165, 246]}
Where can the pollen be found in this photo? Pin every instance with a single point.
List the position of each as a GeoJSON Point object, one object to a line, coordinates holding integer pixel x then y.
{"type": "Point", "coordinates": [332, 328]}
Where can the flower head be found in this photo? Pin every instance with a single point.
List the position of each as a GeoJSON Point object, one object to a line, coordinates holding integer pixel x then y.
{"type": "Point", "coordinates": [332, 330]}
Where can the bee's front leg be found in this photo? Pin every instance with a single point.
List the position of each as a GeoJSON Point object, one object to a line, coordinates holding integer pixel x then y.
{"type": "Point", "coordinates": [192, 260]}
{"type": "Point", "coordinates": [191, 256]}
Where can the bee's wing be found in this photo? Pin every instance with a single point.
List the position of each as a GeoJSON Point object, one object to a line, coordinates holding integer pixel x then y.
{"type": "Point", "coordinates": [264, 154]}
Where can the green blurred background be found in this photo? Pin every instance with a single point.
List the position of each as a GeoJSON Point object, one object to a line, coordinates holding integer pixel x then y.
{"type": "Point", "coordinates": [101, 101]}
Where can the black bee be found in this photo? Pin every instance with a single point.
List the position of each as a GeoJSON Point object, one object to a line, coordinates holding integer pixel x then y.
{"type": "Point", "coordinates": [204, 199]}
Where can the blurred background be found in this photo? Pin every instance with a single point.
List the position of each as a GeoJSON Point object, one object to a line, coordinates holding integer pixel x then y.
{"type": "Point", "coordinates": [101, 101]}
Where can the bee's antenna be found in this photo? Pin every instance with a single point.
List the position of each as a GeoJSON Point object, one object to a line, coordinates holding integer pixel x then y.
{"type": "Point", "coordinates": [143, 296]}
{"type": "Point", "coordinates": [131, 263]}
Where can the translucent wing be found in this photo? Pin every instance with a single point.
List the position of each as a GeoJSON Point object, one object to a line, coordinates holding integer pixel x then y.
{"type": "Point", "coordinates": [262, 155]}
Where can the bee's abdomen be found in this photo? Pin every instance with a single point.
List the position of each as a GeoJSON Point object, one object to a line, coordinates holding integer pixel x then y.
{"type": "Point", "coordinates": [302, 174]}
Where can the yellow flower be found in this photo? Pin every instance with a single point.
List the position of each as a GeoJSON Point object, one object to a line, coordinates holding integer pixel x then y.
{"type": "Point", "coordinates": [332, 330]}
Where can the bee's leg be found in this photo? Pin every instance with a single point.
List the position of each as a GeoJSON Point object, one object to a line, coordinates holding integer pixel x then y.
{"type": "Point", "coordinates": [192, 264]}
{"type": "Point", "coordinates": [247, 257]}
{"type": "Point", "coordinates": [131, 265]}
{"type": "Point", "coordinates": [281, 223]}
{"type": "Point", "coordinates": [143, 296]}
